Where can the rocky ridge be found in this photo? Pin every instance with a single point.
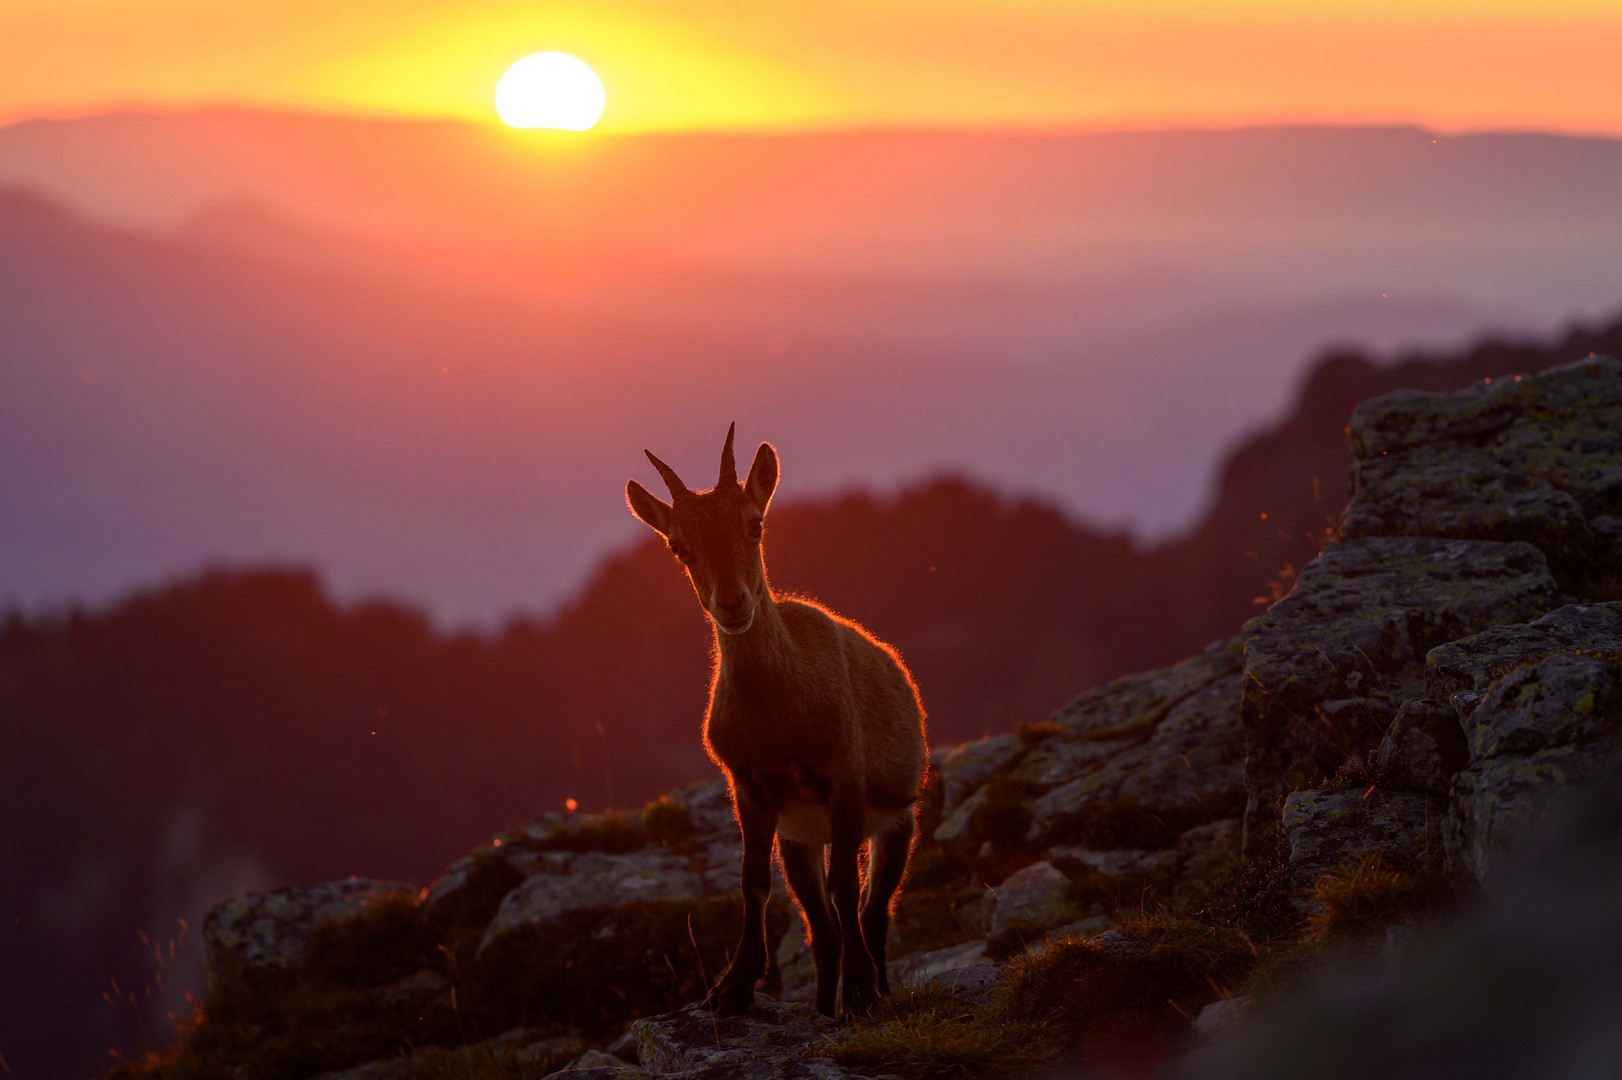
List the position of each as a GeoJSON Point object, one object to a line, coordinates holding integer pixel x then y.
{"type": "Point", "coordinates": [1422, 697]}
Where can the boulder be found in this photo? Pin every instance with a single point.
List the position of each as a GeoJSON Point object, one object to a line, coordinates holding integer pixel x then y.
{"type": "Point", "coordinates": [1472, 664]}
{"type": "Point", "coordinates": [1207, 850]}
{"type": "Point", "coordinates": [1326, 828]}
{"type": "Point", "coordinates": [1539, 731]}
{"type": "Point", "coordinates": [1134, 704]}
{"type": "Point", "coordinates": [1120, 871]}
{"type": "Point", "coordinates": [1357, 625]}
{"type": "Point", "coordinates": [693, 1038]}
{"type": "Point", "coordinates": [974, 985]}
{"type": "Point", "coordinates": [1189, 769]}
{"type": "Point", "coordinates": [918, 968]}
{"type": "Point", "coordinates": [1535, 458]}
{"type": "Point", "coordinates": [597, 935]}
{"type": "Point", "coordinates": [596, 1059]}
{"type": "Point", "coordinates": [259, 936]}
{"type": "Point", "coordinates": [1422, 749]}
{"type": "Point", "coordinates": [1032, 902]}
{"type": "Point", "coordinates": [1218, 1018]}
{"type": "Point", "coordinates": [1057, 761]}
{"type": "Point", "coordinates": [966, 766]}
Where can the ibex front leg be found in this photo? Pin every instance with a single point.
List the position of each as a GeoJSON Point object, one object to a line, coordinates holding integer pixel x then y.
{"type": "Point", "coordinates": [858, 976]}
{"type": "Point", "coordinates": [735, 991]}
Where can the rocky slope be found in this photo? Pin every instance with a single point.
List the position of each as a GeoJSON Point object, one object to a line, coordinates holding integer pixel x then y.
{"type": "Point", "coordinates": [1376, 747]}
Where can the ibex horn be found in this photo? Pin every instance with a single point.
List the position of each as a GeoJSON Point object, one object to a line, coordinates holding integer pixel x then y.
{"type": "Point", "coordinates": [666, 473]}
{"type": "Point", "coordinates": [729, 467]}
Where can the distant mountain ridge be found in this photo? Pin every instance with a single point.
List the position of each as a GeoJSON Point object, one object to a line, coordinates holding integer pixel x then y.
{"type": "Point", "coordinates": [210, 401]}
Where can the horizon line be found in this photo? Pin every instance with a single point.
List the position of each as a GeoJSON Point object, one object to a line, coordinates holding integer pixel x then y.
{"type": "Point", "coordinates": [831, 127]}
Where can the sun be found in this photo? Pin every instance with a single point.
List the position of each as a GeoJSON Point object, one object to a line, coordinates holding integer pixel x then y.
{"type": "Point", "coordinates": [550, 90]}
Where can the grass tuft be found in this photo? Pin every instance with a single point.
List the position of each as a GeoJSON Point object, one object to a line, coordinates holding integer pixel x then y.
{"type": "Point", "coordinates": [666, 821]}
{"type": "Point", "coordinates": [925, 1033]}
{"type": "Point", "coordinates": [1369, 895]}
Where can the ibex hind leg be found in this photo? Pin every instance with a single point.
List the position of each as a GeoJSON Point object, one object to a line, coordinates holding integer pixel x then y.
{"type": "Point", "coordinates": [887, 864]}
{"type": "Point", "coordinates": [803, 867]}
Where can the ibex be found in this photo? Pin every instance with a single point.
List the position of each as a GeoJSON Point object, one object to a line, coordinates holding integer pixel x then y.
{"type": "Point", "coordinates": [818, 728]}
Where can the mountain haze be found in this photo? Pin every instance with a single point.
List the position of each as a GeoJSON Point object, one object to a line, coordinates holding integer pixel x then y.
{"type": "Point", "coordinates": [374, 344]}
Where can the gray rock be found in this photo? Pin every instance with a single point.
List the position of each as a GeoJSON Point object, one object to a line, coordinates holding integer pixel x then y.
{"type": "Point", "coordinates": [974, 985]}
{"type": "Point", "coordinates": [1358, 624]}
{"type": "Point", "coordinates": [1122, 868]}
{"type": "Point", "coordinates": [1218, 1018]}
{"type": "Point", "coordinates": [622, 918]}
{"type": "Point", "coordinates": [710, 805]}
{"type": "Point", "coordinates": [1135, 704]}
{"type": "Point", "coordinates": [694, 1038]}
{"type": "Point", "coordinates": [1057, 761]}
{"type": "Point", "coordinates": [1533, 458]}
{"type": "Point", "coordinates": [966, 766]}
{"type": "Point", "coordinates": [1422, 749]}
{"type": "Point", "coordinates": [1476, 662]}
{"type": "Point", "coordinates": [1325, 828]}
{"type": "Point", "coordinates": [918, 968]}
{"type": "Point", "coordinates": [624, 1047]}
{"type": "Point", "coordinates": [1207, 850]}
{"type": "Point", "coordinates": [1191, 766]}
{"type": "Point", "coordinates": [956, 833]}
{"type": "Point", "coordinates": [592, 881]}
{"type": "Point", "coordinates": [594, 1059]}
{"type": "Point", "coordinates": [795, 965]}
{"type": "Point", "coordinates": [1090, 927]}
{"type": "Point", "coordinates": [1539, 731]}
{"type": "Point", "coordinates": [1034, 901]}
{"type": "Point", "coordinates": [267, 935]}
{"type": "Point", "coordinates": [1556, 702]}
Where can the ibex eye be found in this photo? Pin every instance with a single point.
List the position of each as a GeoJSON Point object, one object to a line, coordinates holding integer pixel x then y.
{"type": "Point", "coordinates": [679, 551]}
{"type": "Point", "coordinates": [754, 530]}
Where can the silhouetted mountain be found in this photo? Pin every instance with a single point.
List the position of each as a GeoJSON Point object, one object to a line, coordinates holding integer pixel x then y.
{"type": "Point", "coordinates": [240, 730]}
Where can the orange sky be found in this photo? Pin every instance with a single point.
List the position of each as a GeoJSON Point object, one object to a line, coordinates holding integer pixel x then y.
{"type": "Point", "coordinates": [731, 63]}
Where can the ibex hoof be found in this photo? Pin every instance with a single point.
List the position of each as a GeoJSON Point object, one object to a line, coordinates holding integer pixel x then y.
{"type": "Point", "coordinates": [860, 997]}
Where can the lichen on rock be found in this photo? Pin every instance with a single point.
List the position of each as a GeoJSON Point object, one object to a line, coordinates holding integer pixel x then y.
{"type": "Point", "coordinates": [1359, 623]}
{"type": "Point", "coordinates": [1327, 827]}
{"type": "Point", "coordinates": [260, 936]}
{"type": "Point", "coordinates": [1536, 458]}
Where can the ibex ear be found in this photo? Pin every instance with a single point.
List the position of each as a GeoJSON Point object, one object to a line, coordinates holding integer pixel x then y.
{"type": "Point", "coordinates": [762, 477]}
{"type": "Point", "coordinates": [648, 508]}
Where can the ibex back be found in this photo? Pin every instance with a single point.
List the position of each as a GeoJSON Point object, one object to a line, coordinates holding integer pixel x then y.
{"type": "Point", "coordinates": [818, 728]}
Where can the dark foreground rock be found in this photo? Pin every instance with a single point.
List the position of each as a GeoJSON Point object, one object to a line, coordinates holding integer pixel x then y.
{"type": "Point", "coordinates": [1524, 988]}
{"type": "Point", "coordinates": [1328, 667]}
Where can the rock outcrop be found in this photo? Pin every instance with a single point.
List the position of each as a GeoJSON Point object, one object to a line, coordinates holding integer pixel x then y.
{"type": "Point", "coordinates": [1436, 683]}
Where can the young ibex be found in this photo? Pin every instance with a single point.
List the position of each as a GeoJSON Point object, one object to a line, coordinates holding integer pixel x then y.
{"type": "Point", "coordinates": [818, 728]}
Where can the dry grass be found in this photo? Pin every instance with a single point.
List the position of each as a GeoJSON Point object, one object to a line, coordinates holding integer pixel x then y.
{"type": "Point", "coordinates": [926, 1033]}
{"type": "Point", "coordinates": [1369, 895]}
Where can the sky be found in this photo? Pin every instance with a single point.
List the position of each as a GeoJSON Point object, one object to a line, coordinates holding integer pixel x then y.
{"type": "Point", "coordinates": [727, 64]}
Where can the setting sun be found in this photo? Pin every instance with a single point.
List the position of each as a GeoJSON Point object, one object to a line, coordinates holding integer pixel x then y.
{"type": "Point", "coordinates": [550, 90]}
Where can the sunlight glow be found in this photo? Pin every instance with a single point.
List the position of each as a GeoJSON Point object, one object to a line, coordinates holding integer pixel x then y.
{"type": "Point", "coordinates": [550, 90]}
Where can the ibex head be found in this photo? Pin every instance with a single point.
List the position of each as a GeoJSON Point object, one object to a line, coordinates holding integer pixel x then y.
{"type": "Point", "coordinates": [716, 533]}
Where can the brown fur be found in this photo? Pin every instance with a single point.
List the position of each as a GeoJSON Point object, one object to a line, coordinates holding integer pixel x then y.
{"type": "Point", "coordinates": [818, 727]}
